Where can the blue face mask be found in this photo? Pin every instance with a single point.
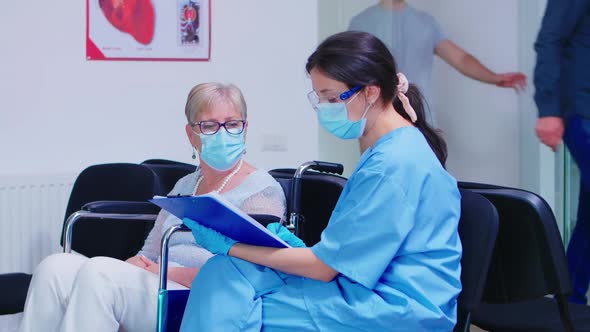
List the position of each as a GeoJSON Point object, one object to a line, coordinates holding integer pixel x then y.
{"type": "Point", "coordinates": [334, 119]}
{"type": "Point", "coordinates": [222, 151]}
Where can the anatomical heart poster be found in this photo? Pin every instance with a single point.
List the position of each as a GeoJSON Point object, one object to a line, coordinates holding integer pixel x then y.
{"type": "Point", "coordinates": [166, 30]}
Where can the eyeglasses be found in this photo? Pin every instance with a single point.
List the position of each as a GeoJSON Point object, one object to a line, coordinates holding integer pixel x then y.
{"type": "Point", "coordinates": [315, 99]}
{"type": "Point", "coordinates": [234, 127]}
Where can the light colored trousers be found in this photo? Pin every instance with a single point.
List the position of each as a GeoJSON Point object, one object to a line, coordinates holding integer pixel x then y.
{"type": "Point", "coordinates": [70, 292]}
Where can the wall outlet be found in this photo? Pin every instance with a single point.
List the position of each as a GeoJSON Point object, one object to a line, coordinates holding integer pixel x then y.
{"type": "Point", "coordinates": [274, 143]}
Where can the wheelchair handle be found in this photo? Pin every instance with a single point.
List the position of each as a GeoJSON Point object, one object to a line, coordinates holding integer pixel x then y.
{"type": "Point", "coordinates": [165, 241]}
{"type": "Point", "coordinates": [295, 218]}
{"type": "Point", "coordinates": [320, 166]}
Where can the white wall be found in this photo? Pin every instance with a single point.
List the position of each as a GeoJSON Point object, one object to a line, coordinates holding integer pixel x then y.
{"type": "Point", "coordinates": [60, 113]}
{"type": "Point", "coordinates": [334, 16]}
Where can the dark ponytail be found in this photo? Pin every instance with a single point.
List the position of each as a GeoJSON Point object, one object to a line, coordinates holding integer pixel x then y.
{"type": "Point", "coordinates": [359, 58]}
{"type": "Point", "coordinates": [433, 136]}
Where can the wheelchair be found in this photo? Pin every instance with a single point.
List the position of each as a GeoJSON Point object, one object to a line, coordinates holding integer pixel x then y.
{"type": "Point", "coordinates": [311, 197]}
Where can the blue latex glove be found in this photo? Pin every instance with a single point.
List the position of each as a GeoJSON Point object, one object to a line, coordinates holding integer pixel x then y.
{"type": "Point", "coordinates": [286, 235]}
{"type": "Point", "coordinates": [213, 241]}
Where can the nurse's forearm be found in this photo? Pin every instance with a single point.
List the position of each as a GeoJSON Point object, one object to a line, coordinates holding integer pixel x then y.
{"type": "Point", "coordinates": [296, 261]}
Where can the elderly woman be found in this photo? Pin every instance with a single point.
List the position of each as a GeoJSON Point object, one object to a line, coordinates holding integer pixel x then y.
{"type": "Point", "coordinates": [73, 293]}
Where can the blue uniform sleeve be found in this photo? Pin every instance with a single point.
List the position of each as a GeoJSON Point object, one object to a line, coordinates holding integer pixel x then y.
{"type": "Point", "coordinates": [559, 23]}
{"type": "Point", "coordinates": [367, 227]}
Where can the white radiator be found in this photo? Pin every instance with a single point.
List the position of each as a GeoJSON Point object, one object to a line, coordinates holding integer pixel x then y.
{"type": "Point", "coordinates": [32, 210]}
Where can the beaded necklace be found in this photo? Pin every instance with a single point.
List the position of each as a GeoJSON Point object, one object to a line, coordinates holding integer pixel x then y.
{"type": "Point", "coordinates": [225, 181]}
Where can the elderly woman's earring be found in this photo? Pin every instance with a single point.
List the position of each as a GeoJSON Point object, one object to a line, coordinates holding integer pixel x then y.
{"type": "Point", "coordinates": [194, 153]}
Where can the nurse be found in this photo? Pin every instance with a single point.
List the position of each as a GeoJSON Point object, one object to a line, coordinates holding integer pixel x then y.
{"type": "Point", "coordinates": [389, 259]}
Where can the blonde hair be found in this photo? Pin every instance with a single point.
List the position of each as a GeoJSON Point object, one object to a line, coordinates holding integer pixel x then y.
{"type": "Point", "coordinates": [205, 95]}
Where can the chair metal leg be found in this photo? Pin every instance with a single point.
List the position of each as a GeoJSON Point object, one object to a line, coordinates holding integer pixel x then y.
{"type": "Point", "coordinates": [564, 313]}
{"type": "Point", "coordinates": [463, 322]}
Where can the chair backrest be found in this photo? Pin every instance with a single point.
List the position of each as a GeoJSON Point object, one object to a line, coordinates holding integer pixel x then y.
{"type": "Point", "coordinates": [169, 172]}
{"type": "Point", "coordinates": [529, 259]}
{"type": "Point", "coordinates": [319, 194]}
{"type": "Point", "coordinates": [478, 229]}
{"type": "Point", "coordinates": [113, 182]}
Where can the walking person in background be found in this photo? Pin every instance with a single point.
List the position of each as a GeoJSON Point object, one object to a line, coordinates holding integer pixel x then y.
{"type": "Point", "coordinates": [414, 37]}
{"type": "Point", "coordinates": [562, 83]}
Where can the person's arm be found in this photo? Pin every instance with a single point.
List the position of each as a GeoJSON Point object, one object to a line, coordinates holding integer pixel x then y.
{"type": "Point", "coordinates": [269, 201]}
{"type": "Point", "coordinates": [296, 261]}
{"type": "Point", "coordinates": [137, 261]}
{"type": "Point", "coordinates": [469, 66]}
{"type": "Point", "coordinates": [559, 23]}
{"type": "Point", "coordinates": [181, 275]}
{"type": "Point", "coordinates": [151, 246]}
{"type": "Point", "coordinates": [359, 241]}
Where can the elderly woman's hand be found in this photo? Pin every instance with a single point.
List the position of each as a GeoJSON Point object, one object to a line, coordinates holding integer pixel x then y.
{"type": "Point", "coordinates": [140, 261]}
{"type": "Point", "coordinates": [215, 242]}
{"type": "Point", "coordinates": [286, 235]}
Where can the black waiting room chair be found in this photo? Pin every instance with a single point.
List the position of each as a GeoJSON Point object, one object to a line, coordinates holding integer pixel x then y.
{"type": "Point", "coordinates": [528, 280]}
{"type": "Point", "coordinates": [478, 229]}
{"type": "Point", "coordinates": [168, 171]}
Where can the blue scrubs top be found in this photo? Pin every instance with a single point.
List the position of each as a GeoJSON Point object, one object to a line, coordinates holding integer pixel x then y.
{"type": "Point", "coordinates": [393, 238]}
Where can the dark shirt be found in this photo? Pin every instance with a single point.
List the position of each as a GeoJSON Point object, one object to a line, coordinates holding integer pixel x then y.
{"type": "Point", "coordinates": [562, 74]}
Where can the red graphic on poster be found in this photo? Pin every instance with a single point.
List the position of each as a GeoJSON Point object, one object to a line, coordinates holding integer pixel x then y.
{"type": "Point", "coordinates": [148, 30]}
{"type": "Point", "coordinates": [135, 17]}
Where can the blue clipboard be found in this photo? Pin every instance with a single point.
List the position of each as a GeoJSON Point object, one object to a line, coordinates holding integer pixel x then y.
{"type": "Point", "coordinates": [214, 211]}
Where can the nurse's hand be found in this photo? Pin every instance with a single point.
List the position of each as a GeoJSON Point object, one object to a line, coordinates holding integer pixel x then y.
{"type": "Point", "coordinates": [286, 235]}
{"type": "Point", "coordinates": [213, 241]}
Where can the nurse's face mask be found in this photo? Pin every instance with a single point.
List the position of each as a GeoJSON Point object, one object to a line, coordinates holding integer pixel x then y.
{"type": "Point", "coordinates": [221, 149]}
{"type": "Point", "coordinates": [333, 114]}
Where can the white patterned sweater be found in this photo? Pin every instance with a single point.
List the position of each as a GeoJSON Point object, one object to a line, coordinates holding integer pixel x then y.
{"type": "Point", "coordinates": [259, 193]}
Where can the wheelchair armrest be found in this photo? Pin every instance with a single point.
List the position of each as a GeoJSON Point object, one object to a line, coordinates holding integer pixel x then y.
{"type": "Point", "coordinates": [74, 217]}
{"type": "Point", "coordinates": [179, 297]}
{"type": "Point", "coordinates": [13, 287]}
{"type": "Point", "coordinates": [263, 219]}
{"type": "Point", "coordinates": [124, 207]}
